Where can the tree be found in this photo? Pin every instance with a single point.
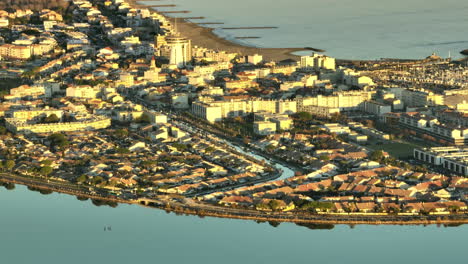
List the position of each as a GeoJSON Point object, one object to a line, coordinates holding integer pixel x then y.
{"type": "Point", "coordinates": [46, 162]}
{"type": "Point", "coordinates": [270, 148]}
{"type": "Point", "coordinates": [121, 133]}
{"type": "Point", "coordinates": [46, 170]}
{"type": "Point", "coordinates": [9, 164]}
{"type": "Point", "coordinates": [3, 130]}
{"type": "Point", "coordinates": [82, 178]}
{"type": "Point", "coordinates": [122, 150]}
{"type": "Point", "coordinates": [144, 118]}
{"type": "Point", "coordinates": [58, 140]}
{"type": "Point", "coordinates": [53, 118]}
{"type": "Point", "coordinates": [274, 205]}
{"type": "Point", "coordinates": [97, 180]}
{"type": "Point", "coordinates": [180, 147]}
{"type": "Point", "coordinates": [369, 123]}
{"type": "Point", "coordinates": [377, 155]}
{"type": "Point", "coordinates": [209, 149]}
{"type": "Point", "coordinates": [304, 116]}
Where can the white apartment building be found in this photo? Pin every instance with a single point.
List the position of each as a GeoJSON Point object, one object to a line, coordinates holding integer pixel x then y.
{"type": "Point", "coordinates": [451, 158]}
{"type": "Point", "coordinates": [83, 91]}
{"type": "Point", "coordinates": [317, 62]}
{"type": "Point", "coordinates": [233, 108]}
{"type": "Point", "coordinates": [344, 101]}
{"type": "Point", "coordinates": [264, 128]}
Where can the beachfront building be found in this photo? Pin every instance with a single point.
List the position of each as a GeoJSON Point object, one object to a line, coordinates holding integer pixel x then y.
{"type": "Point", "coordinates": [254, 59]}
{"type": "Point", "coordinates": [317, 62]}
{"type": "Point", "coordinates": [178, 50]}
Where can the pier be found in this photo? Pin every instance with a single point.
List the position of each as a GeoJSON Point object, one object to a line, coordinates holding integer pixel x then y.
{"type": "Point", "coordinates": [161, 5]}
{"type": "Point", "coordinates": [192, 17]}
{"type": "Point", "coordinates": [211, 23]}
{"type": "Point", "coordinates": [174, 12]}
{"type": "Point", "coordinates": [314, 49]}
{"type": "Point", "coordinates": [247, 37]}
{"type": "Point", "coordinates": [233, 28]}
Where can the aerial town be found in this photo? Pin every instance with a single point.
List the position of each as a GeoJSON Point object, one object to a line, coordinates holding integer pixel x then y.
{"type": "Point", "coordinates": [108, 101]}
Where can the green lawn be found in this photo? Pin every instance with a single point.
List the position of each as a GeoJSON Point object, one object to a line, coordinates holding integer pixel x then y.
{"type": "Point", "coordinates": [396, 149]}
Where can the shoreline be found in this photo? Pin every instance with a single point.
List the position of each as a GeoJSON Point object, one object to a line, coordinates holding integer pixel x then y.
{"type": "Point", "coordinates": [206, 37]}
{"type": "Point", "coordinates": [203, 210]}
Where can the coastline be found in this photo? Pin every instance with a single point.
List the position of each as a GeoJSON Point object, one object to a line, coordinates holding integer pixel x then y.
{"type": "Point", "coordinates": [205, 37]}
{"type": "Point", "coordinates": [203, 210]}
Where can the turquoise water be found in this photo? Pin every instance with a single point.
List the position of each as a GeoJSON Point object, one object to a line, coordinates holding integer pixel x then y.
{"type": "Point", "coordinates": [57, 228]}
{"type": "Point", "coordinates": [352, 29]}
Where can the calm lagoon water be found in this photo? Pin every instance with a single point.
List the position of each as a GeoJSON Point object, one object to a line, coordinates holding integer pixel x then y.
{"type": "Point", "coordinates": [348, 29]}
{"type": "Point", "coordinates": [58, 228]}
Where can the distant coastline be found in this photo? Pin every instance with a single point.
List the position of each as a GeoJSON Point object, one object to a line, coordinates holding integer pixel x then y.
{"type": "Point", "coordinates": [205, 37]}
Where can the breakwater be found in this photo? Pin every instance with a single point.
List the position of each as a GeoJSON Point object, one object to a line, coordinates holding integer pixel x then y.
{"type": "Point", "coordinates": [234, 28]}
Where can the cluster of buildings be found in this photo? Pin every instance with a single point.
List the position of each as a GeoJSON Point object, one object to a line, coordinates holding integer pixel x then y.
{"type": "Point", "coordinates": [453, 159]}
{"type": "Point", "coordinates": [99, 77]}
{"type": "Point", "coordinates": [379, 191]}
{"type": "Point", "coordinates": [430, 128]}
{"type": "Point", "coordinates": [25, 46]}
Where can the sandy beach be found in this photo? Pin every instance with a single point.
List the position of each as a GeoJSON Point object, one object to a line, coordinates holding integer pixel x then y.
{"type": "Point", "coordinates": [205, 37]}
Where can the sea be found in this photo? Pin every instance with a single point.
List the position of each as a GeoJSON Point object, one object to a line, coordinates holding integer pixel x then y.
{"type": "Point", "coordinates": [346, 29]}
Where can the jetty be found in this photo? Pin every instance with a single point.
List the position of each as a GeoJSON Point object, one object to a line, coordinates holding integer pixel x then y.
{"type": "Point", "coordinates": [247, 37]}
{"type": "Point", "coordinates": [234, 28]}
{"type": "Point", "coordinates": [161, 5]}
{"type": "Point", "coordinates": [211, 23]}
{"type": "Point", "coordinates": [175, 12]}
{"type": "Point", "coordinates": [314, 49]}
{"type": "Point", "coordinates": [200, 17]}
